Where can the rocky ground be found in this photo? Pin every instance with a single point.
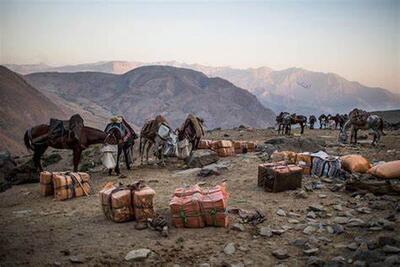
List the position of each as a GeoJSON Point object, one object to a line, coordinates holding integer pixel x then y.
{"type": "Point", "coordinates": [319, 224]}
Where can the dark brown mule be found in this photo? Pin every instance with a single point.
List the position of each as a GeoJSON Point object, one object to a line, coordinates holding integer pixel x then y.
{"type": "Point", "coordinates": [36, 139]}
{"type": "Point", "coordinates": [191, 129]}
{"type": "Point", "coordinates": [299, 119]}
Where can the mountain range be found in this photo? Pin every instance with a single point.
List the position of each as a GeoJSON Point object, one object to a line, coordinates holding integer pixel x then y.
{"type": "Point", "coordinates": [294, 89]}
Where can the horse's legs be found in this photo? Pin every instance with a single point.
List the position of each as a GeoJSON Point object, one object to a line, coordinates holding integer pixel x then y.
{"type": "Point", "coordinates": [302, 128]}
{"type": "Point", "coordinates": [37, 155]}
{"type": "Point", "coordinates": [149, 145]}
{"type": "Point", "coordinates": [116, 169]}
{"type": "Point", "coordinates": [77, 157]}
{"type": "Point", "coordinates": [126, 156]}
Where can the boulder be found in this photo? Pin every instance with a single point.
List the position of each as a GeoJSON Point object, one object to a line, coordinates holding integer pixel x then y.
{"type": "Point", "coordinates": [201, 158]}
{"type": "Point", "coordinates": [137, 254]}
{"type": "Point", "coordinates": [7, 164]}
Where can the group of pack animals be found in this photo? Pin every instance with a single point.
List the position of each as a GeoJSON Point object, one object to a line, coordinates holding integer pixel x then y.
{"type": "Point", "coordinates": [157, 134]}
{"type": "Point", "coordinates": [74, 135]}
{"type": "Point", "coordinates": [357, 119]}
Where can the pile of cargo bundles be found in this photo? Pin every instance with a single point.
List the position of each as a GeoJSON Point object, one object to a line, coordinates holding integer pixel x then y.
{"type": "Point", "coordinates": [279, 176]}
{"type": "Point", "coordinates": [226, 148]}
{"type": "Point", "coordinates": [127, 203]}
{"type": "Point", "coordinates": [194, 207]}
{"type": "Point", "coordinates": [64, 185]}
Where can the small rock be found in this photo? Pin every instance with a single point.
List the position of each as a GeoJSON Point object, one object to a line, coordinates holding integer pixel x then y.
{"type": "Point", "coordinates": [293, 214]}
{"type": "Point", "coordinates": [277, 231]}
{"type": "Point", "coordinates": [353, 246]}
{"type": "Point", "coordinates": [393, 260]}
{"type": "Point", "coordinates": [341, 220]}
{"type": "Point", "coordinates": [311, 214]}
{"type": "Point", "coordinates": [355, 222]}
{"type": "Point", "coordinates": [359, 263]}
{"type": "Point", "coordinates": [316, 207]}
{"type": "Point", "coordinates": [164, 231]}
{"type": "Point", "coordinates": [57, 263]}
{"type": "Point", "coordinates": [391, 249]}
{"type": "Point", "coordinates": [229, 249]}
{"type": "Point", "coordinates": [294, 221]}
{"type": "Point", "coordinates": [281, 212]}
{"type": "Point", "coordinates": [309, 230]}
{"type": "Point", "coordinates": [265, 231]}
{"type": "Point", "coordinates": [301, 194]}
{"type": "Point", "coordinates": [322, 196]}
{"type": "Point", "coordinates": [140, 226]}
{"type": "Point", "coordinates": [311, 251]}
{"type": "Point", "coordinates": [75, 259]}
{"type": "Point", "coordinates": [338, 207]}
{"type": "Point", "coordinates": [204, 265]}
{"type": "Point", "coordinates": [280, 253]}
{"type": "Point", "coordinates": [315, 261]}
{"type": "Point", "coordinates": [137, 254]}
{"type": "Point", "coordinates": [238, 227]}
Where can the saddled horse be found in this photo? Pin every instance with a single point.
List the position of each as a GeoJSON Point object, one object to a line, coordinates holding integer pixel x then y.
{"type": "Point", "coordinates": [299, 119]}
{"type": "Point", "coordinates": [37, 140]}
{"type": "Point", "coordinates": [362, 120]}
{"type": "Point", "coordinates": [157, 134]}
{"type": "Point", "coordinates": [312, 119]}
{"type": "Point", "coordinates": [120, 133]}
{"type": "Point", "coordinates": [282, 120]}
{"type": "Point", "coordinates": [322, 121]}
{"type": "Point", "coordinates": [191, 129]}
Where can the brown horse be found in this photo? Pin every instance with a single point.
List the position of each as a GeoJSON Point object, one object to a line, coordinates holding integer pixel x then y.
{"type": "Point", "coordinates": [191, 129]}
{"type": "Point", "coordinates": [36, 139]}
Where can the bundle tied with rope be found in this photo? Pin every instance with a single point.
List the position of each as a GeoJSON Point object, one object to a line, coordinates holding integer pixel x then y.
{"type": "Point", "coordinates": [193, 207]}
{"type": "Point", "coordinates": [121, 203]}
{"type": "Point", "coordinates": [65, 185]}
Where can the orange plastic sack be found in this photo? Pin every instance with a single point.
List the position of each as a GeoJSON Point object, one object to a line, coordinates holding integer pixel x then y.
{"type": "Point", "coordinates": [355, 163]}
{"type": "Point", "coordinates": [388, 170]}
{"type": "Point", "coordinates": [213, 207]}
{"type": "Point", "coordinates": [187, 191]}
{"type": "Point", "coordinates": [186, 211]}
{"type": "Point", "coordinates": [143, 203]}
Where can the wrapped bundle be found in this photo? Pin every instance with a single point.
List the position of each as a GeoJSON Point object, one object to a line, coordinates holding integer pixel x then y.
{"type": "Point", "coordinates": [71, 184]}
{"type": "Point", "coordinates": [304, 161]}
{"type": "Point", "coordinates": [222, 144]}
{"type": "Point", "coordinates": [143, 203]}
{"type": "Point", "coordinates": [204, 144]}
{"type": "Point", "coordinates": [46, 184]}
{"type": "Point", "coordinates": [186, 211]}
{"type": "Point", "coordinates": [251, 146]}
{"type": "Point", "coordinates": [117, 204]}
{"type": "Point", "coordinates": [282, 178]}
{"type": "Point", "coordinates": [225, 151]}
{"type": "Point", "coordinates": [355, 163]}
{"type": "Point", "coordinates": [240, 147]}
{"type": "Point", "coordinates": [187, 191]}
{"type": "Point", "coordinates": [213, 205]}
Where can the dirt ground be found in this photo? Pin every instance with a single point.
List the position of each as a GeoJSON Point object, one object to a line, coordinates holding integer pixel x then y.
{"type": "Point", "coordinates": [39, 231]}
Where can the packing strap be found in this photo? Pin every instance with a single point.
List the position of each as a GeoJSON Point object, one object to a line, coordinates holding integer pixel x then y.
{"type": "Point", "coordinates": [78, 180]}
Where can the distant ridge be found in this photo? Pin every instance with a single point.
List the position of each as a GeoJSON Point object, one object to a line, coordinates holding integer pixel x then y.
{"type": "Point", "coordinates": [294, 89]}
{"type": "Point", "coordinates": [146, 91]}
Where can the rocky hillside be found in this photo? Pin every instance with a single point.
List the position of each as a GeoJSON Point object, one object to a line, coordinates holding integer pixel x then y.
{"type": "Point", "coordinates": [293, 89]}
{"type": "Point", "coordinates": [147, 91]}
{"type": "Point", "coordinates": [22, 106]}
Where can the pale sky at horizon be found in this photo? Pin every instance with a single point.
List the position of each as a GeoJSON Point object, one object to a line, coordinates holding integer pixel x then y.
{"type": "Point", "coordinates": [359, 40]}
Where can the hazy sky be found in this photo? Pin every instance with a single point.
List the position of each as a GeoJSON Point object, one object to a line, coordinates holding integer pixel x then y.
{"type": "Point", "coordinates": [359, 40]}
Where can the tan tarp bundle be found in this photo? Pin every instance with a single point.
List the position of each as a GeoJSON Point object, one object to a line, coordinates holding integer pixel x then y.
{"type": "Point", "coordinates": [64, 185]}
{"type": "Point", "coordinates": [46, 184]}
{"type": "Point", "coordinates": [304, 160]}
{"type": "Point", "coordinates": [355, 163]}
{"type": "Point", "coordinates": [71, 184]}
{"type": "Point", "coordinates": [387, 170]}
{"type": "Point", "coordinates": [126, 203]}
{"type": "Point", "coordinates": [224, 148]}
{"type": "Point", "coordinates": [288, 156]}
{"type": "Point", "coordinates": [205, 144]}
{"type": "Point", "coordinates": [192, 208]}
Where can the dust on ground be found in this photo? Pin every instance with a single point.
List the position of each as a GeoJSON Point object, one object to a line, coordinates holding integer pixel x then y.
{"type": "Point", "coordinates": [37, 230]}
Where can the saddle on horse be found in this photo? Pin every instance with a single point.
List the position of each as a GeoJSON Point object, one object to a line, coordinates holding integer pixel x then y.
{"type": "Point", "coordinates": [71, 128]}
{"type": "Point", "coordinates": [123, 127]}
{"type": "Point", "coordinates": [359, 116]}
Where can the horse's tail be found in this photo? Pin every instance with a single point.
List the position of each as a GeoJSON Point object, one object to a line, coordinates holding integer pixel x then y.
{"type": "Point", "coordinates": [140, 145]}
{"type": "Point", "coordinates": [28, 140]}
